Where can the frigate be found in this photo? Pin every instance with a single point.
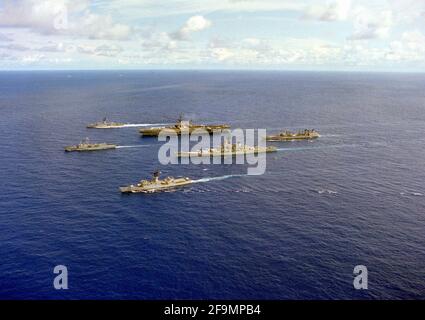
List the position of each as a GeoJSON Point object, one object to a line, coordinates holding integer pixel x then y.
{"type": "Point", "coordinates": [105, 124]}
{"type": "Point", "coordinates": [289, 136]}
{"type": "Point", "coordinates": [156, 184]}
{"type": "Point", "coordinates": [86, 145]}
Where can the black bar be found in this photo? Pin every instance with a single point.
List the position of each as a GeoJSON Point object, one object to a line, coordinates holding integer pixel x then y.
{"type": "Point", "coordinates": [215, 309]}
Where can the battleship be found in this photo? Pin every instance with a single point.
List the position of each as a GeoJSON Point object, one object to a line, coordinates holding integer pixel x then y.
{"type": "Point", "coordinates": [105, 124]}
{"type": "Point", "coordinates": [227, 149]}
{"type": "Point", "coordinates": [85, 145]}
{"type": "Point", "coordinates": [183, 127]}
{"type": "Point", "coordinates": [289, 136]}
{"type": "Point", "coordinates": [156, 185]}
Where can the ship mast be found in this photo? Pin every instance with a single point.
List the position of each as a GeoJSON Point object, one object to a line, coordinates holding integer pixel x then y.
{"type": "Point", "coordinates": [156, 175]}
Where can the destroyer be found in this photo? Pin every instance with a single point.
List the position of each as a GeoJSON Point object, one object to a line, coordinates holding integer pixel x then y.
{"type": "Point", "coordinates": [300, 135]}
{"type": "Point", "coordinates": [227, 149]}
{"type": "Point", "coordinates": [156, 185]}
{"type": "Point", "coordinates": [183, 127]}
{"type": "Point", "coordinates": [85, 145]}
{"type": "Point", "coordinates": [105, 124]}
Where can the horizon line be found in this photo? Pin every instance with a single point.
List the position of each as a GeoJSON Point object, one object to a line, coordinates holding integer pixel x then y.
{"type": "Point", "coordinates": [215, 70]}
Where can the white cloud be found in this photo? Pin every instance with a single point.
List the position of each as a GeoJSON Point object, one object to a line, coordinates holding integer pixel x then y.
{"type": "Point", "coordinates": [410, 47]}
{"type": "Point", "coordinates": [94, 26]}
{"type": "Point", "coordinates": [222, 54]}
{"type": "Point", "coordinates": [192, 25]}
{"type": "Point", "coordinates": [36, 33]}
{"type": "Point", "coordinates": [253, 42]}
{"type": "Point", "coordinates": [4, 38]}
{"type": "Point", "coordinates": [196, 23]}
{"type": "Point", "coordinates": [103, 50]}
{"type": "Point", "coordinates": [261, 52]}
{"type": "Point", "coordinates": [158, 41]}
{"type": "Point", "coordinates": [408, 11]}
{"type": "Point", "coordinates": [414, 39]}
{"type": "Point", "coordinates": [333, 11]}
{"type": "Point", "coordinates": [368, 25]}
{"type": "Point", "coordinates": [136, 9]}
{"type": "Point", "coordinates": [64, 17]}
{"type": "Point", "coordinates": [32, 58]}
{"type": "Point", "coordinates": [39, 15]}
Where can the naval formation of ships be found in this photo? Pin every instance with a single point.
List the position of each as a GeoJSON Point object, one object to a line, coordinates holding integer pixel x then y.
{"type": "Point", "coordinates": [186, 127]}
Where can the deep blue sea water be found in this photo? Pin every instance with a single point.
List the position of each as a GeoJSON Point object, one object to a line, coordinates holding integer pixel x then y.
{"type": "Point", "coordinates": [355, 196]}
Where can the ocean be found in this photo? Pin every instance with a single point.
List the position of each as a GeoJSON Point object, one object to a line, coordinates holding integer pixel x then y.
{"type": "Point", "coordinates": [355, 196]}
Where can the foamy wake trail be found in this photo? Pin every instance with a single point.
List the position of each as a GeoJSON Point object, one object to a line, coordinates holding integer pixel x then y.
{"type": "Point", "coordinates": [313, 148]}
{"type": "Point", "coordinates": [135, 146]}
{"type": "Point", "coordinates": [218, 178]}
{"type": "Point", "coordinates": [330, 135]}
{"type": "Point", "coordinates": [131, 125]}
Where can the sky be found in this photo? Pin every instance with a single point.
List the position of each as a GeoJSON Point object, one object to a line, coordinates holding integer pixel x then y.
{"type": "Point", "coordinates": [373, 35]}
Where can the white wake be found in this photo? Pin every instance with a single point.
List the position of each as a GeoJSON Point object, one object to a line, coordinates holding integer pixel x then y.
{"type": "Point", "coordinates": [317, 148]}
{"type": "Point", "coordinates": [135, 146]}
{"type": "Point", "coordinates": [218, 178]}
{"type": "Point", "coordinates": [132, 125]}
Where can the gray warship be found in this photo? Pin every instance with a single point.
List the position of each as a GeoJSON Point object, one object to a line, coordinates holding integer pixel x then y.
{"type": "Point", "coordinates": [290, 136]}
{"type": "Point", "coordinates": [86, 145]}
{"type": "Point", "coordinates": [156, 184]}
{"type": "Point", "coordinates": [105, 124]}
{"type": "Point", "coordinates": [227, 149]}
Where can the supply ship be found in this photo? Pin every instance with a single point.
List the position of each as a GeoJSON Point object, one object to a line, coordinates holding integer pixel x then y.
{"type": "Point", "coordinates": [156, 185]}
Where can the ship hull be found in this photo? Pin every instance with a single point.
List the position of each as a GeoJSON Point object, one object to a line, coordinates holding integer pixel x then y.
{"type": "Point", "coordinates": [290, 138]}
{"type": "Point", "coordinates": [154, 132]}
{"type": "Point", "coordinates": [225, 154]}
{"type": "Point", "coordinates": [101, 126]}
{"type": "Point", "coordinates": [77, 149]}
